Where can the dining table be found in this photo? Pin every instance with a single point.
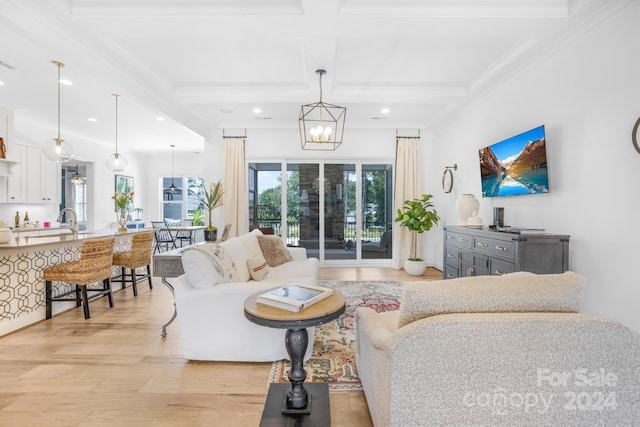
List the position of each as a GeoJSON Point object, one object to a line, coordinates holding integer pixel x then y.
{"type": "Point", "coordinates": [185, 232]}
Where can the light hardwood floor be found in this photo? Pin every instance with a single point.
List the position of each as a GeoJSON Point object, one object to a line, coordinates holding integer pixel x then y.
{"type": "Point", "coordinates": [116, 370]}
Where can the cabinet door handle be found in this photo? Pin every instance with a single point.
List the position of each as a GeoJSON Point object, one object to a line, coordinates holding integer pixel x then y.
{"type": "Point", "coordinates": [498, 273]}
{"type": "Point", "coordinates": [470, 272]}
{"type": "Point", "coordinates": [450, 276]}
{"type": "Point", "coordinates": [451, 238]}
{"type": "Point", "coordinates": [484, 245]}
{"type": "Point", "coordinates": [502, 248]}
{"type": "Point", "coordinates": [450, 256]}
{"type": "Point", "coordinates": [464, 240]}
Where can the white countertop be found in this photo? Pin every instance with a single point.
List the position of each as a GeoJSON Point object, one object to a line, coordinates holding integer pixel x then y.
{"type": "Point", "coordinates": [65, 236]}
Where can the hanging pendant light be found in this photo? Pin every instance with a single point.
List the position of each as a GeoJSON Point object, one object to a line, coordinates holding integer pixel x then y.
{"type": "Point", "coordinates": [58, 149]}
{"type": "Point", "coordinates": [172, 189]}
{"type": "Point", "coordinates": [76, 178]}
{"type": "Point", "coordinates": [116, 162]}
{"type": "Point", "coordinates": [321, 125]}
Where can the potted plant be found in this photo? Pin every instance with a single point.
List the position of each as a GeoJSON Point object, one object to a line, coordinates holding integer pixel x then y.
{"type": "Point", "coordinates": [211, 200]}
{"type": "Point", "coordinates": [122, 200]}
{"type": "Point", "coordinates": [418, 216]}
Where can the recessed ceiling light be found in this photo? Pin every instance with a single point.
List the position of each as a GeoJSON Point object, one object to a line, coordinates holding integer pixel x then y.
{"type": "Point", "coordinates": [257, 110]}
{"type": "Point", "coordinates": [226, 111]}
{"type": "Point", "coordinates": [1, 83]}
{"type": "Point", "coordinates": [92, 119]}
{"type": "Point", "coordinates": [160, 119]}
{"type": "Point", "coordinates": [66, 82]}
{"type": "Point", "coordinates": [385, 111]}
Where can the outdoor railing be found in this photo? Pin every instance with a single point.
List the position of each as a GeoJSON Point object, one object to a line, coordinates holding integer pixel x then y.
{"type": "Point", "coordinates": [371, 232]}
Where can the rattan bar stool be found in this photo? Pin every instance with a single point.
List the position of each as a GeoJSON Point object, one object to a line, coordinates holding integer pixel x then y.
{"type": "Point", "coordinates": [138, 256]}
{"type": "Point", "coordinates": [94, 265]}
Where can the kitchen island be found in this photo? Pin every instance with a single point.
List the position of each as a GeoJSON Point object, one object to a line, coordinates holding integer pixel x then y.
{"type": "Point", "coordinates": [22, 261]}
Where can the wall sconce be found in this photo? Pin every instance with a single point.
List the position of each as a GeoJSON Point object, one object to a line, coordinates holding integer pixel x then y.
{"type": "Point", "coordinates": [447, 178]}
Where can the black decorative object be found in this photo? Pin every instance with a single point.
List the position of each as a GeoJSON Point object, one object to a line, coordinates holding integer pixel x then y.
{"type": "Point", "coordinates": [634, 135]}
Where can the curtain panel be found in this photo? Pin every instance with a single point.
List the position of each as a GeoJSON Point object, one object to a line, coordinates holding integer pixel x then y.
{"type": "Point", "coordinates": [407, 186]}
{"type": "Point", "coordinates": [236, 203]}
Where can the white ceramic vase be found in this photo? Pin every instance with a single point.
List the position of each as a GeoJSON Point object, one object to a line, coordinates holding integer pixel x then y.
{"type": "Point", "coordinates": [414, 268]}
{"type": "Point", "coordinates": [465, 206]}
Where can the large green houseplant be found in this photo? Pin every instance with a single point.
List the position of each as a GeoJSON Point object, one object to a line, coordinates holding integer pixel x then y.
{"type": "Point", "coordinates": [211, 200]}
{"type": "Point", "coordinates": [418, 216]}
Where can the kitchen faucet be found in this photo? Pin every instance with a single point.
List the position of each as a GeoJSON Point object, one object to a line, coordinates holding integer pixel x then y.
{"type": "Point", "coordinates": [73, 221]}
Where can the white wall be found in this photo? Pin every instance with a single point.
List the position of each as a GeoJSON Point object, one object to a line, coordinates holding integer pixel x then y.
{"type": "Point", "coordinates": [285, 143]}
{"type": "Point", "coordinates": [588, 96]}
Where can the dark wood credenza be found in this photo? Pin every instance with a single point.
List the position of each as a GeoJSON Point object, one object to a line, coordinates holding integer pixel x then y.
{"type": "Point", "coordinates": [478, 252]}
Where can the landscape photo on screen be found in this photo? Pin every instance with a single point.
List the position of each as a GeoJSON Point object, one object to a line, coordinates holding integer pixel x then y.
{"type": "Point", "coordinates": [515, 166]}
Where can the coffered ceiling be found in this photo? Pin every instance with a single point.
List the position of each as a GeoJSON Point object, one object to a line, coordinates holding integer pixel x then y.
{"type": "Point", "coordinates": [205, 65]}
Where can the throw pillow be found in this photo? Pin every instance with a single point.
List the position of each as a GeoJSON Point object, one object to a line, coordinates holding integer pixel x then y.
{"type": "Point", "coordinates": [258, 267]}
{"type": "Point", "coordinates": [228, 257]}
{"type": "Point", "coordinates": [201, 269]}
{"type": "Point", "coordinates": [250, 243]}
{"type": "Point", "coordinates": [274, 250]}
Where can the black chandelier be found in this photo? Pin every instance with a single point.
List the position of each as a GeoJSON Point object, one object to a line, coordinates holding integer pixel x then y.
{"type": "Point", "coordinates": [172, 189]}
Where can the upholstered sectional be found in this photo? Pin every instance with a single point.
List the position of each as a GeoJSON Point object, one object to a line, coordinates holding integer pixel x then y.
{"type": "Point", "coordinates": [490, 350]}
{"type": "Point", "coordinates": [210, 297]}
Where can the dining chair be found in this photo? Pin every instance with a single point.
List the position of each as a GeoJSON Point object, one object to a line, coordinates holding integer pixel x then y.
{"type": "Point", "coordinates": [137, 257]}
{"type": "Point", "coordinates": [94, 265]}
{"type": "Point", "coordinates": [185, 235]}
{"type": "Point", "coordinates": [163, 236]}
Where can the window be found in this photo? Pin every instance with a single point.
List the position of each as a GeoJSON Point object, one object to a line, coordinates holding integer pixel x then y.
{"type": "Point", "coordinates": [180, 197]}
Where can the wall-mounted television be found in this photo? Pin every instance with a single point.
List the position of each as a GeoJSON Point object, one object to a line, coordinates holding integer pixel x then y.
{"type": "Point", "coordinates": [515, 166]}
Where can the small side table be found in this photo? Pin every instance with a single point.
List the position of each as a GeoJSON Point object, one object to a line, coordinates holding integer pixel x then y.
{"type": "Point", "coordinates": [295, 401]}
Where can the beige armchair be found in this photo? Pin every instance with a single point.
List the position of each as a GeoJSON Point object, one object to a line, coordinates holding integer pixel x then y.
{"type": "Point", "coordinates": [492, 350]}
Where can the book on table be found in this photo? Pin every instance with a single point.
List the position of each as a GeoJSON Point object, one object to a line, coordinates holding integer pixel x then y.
{"type": "Point", "coordinates": [521, 230]}
{"type": "Point", "coordinates": [295, 297]}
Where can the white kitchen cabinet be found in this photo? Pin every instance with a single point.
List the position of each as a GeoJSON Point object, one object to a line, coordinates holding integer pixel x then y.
{"type": "Point", "coordinates": [17, 182]}
{"type": "Point", "coordinates": [35, 179]}
{"type": "Point", "coordinates": [50, 173]}
{"type": "Point", "coordinates": [43, 177]}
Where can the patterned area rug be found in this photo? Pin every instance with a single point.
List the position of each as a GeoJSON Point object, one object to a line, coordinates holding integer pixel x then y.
{"type": "Point", "coordinates": [334, 350]}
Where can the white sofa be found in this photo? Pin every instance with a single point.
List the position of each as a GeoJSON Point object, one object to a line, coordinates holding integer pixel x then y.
{"type": "Point", "coordinates": [210, 300]}
{"type": "Point", "coordinates": [489, 350]}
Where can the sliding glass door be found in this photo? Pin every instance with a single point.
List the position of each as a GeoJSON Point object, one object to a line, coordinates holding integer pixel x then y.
{"type": "Point", "coordinates": [377, 211]}
{"type": "Point", "coordinates": [338, 212]}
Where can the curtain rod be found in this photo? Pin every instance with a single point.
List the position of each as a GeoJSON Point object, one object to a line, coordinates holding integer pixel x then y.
{"type": "Point", "coordinates": [234, 136]}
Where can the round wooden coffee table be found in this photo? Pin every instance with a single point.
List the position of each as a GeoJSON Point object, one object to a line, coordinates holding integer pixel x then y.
{"type": "Point", "coordinates": [296, 400]}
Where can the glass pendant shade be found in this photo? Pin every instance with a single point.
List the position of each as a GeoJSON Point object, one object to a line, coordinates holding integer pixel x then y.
{"type": "Point", "coordinates": [58, 150]}
{"type": "Point", "coordinates": [116, 162]}
{"type": "Point", "coordinates": [76, 179]}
